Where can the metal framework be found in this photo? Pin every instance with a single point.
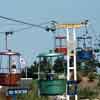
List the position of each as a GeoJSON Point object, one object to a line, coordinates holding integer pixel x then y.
{"type": "Point", "coordinates": [71, 52]}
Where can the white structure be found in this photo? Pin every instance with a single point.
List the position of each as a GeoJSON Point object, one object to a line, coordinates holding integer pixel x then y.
{"type": "Point", "coordinates": [71, 53]}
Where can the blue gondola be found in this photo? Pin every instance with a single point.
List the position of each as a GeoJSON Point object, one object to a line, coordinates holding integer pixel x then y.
{"type": "Point", "coordinates": [84, 55]}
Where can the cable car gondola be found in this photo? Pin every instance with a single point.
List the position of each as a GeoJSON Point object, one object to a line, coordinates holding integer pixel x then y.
{"type": "Point", "coordinates": [85, 54]}
{"type": "Point", "coordinates": [60, 44]}
{"type": "Point", "coordinates": [48, 83]}
{"type": "Point", "coordinates": [10, 69]}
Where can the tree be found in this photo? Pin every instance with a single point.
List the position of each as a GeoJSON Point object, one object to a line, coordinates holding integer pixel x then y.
{"type": "Point", "coordinates": [59, 65]}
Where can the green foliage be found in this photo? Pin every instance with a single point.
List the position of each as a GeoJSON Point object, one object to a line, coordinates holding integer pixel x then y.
{"type": "Point", "coordinates": [33, 94]}
{"type": "Point", "coordinates": [31, 72]}
{"type": "Point", "coordinates": [59, 65]}
{"type": "Point", "coordinates": [86, 67]}
{"type": "Point", "coordinates": [91, 76]}
{"type": "Point", "coordinates": [44, 65]}
{"type": "Point", "coordinates": [87, 93]}
{"type": "Point", "coordinates": [98, 85]}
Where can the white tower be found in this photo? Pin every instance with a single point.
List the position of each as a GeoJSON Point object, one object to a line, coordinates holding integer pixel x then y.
{"type": "Point", "coordinates": [71, 58]}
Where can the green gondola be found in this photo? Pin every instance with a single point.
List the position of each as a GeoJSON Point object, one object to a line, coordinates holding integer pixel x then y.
{"type": "Point", "coordinates": [52, 87]}
{"type": "Point", "coordinates": [49, 84]}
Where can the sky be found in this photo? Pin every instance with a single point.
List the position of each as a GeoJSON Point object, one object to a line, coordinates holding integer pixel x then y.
{"type": "Point", "coordinates": [35, 40]}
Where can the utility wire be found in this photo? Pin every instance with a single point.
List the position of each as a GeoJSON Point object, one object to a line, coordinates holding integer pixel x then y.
{"type": "Point", "coordinates": [22, 22]}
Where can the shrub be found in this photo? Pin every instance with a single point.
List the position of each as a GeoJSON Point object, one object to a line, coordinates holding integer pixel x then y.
{"type": "Point", "coordinates": [87, 93]}
{"type": "Point", "coordinates": [91, 76]}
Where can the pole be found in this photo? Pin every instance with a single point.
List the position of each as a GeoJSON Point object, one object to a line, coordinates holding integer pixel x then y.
{"type": "Point", "coordinates": [39, 75]}
{"type": "Point", "coordinates": [68, 64]}
{"type": "Point", "coordinates": [6, 41]}
{"type": "Point", "coordinates": [75, 69]}
{"type": "Point", "coordinates": [26, 71]}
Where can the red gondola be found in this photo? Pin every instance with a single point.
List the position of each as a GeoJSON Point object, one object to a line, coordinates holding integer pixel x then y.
{"type": "Point", "coordinates": [60, 44]}
{"type": "Point", "coordinates": [9, 68]}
